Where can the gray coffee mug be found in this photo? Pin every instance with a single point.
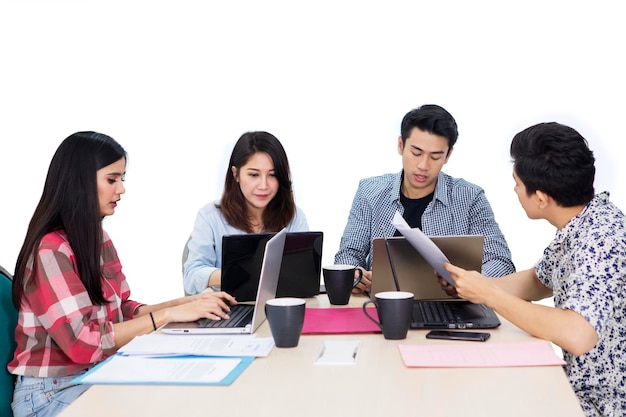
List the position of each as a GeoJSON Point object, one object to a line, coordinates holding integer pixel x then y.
{"type": "Point", "coordinates": [339, 281]}
{"type": "Point", "coordinates": [394, 313]}
{"type": "Point", "coordinates": [286, 318]}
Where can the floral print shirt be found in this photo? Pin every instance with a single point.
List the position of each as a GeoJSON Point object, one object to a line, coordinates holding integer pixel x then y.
{"type": "Point", "coordinates": [585, 266]}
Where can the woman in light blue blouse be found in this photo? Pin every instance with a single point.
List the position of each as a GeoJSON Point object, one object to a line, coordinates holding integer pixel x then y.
{"type": "Point", "coordinates": [257, 198]}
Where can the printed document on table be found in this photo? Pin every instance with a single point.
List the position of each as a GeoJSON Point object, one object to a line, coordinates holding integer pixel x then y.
{"type": "Point", "coordinates": [426, 247]}
{"type": "Point", "coordinates": [191, 370]}
{"type": "Point", "coordinates": [159, 344]}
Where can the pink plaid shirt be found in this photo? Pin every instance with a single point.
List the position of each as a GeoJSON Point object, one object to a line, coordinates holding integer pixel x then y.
{"type": "Point", "coordinates": [59, 330]}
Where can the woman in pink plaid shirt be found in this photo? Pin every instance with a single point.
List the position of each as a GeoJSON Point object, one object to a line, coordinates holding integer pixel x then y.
{"type": "Point", "coordinates": [72, 297]}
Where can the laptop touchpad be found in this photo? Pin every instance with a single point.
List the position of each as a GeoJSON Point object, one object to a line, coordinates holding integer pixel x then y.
{"type": "Point", "coordinates": [467, 310]}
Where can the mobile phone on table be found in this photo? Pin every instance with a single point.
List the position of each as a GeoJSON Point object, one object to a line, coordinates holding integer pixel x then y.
{"type": "Point", "coordinates": [457, 335]}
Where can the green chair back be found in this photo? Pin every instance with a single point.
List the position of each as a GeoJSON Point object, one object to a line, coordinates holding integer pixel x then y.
{"type": "Point", "coordinates": [8, 321]}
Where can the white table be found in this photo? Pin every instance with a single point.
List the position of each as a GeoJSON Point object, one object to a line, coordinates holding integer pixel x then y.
{"type": "Point", "coordinates": [288, 383]}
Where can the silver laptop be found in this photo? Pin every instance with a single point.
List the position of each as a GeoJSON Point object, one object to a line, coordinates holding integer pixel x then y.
{"type": "Point", "coordinates": [244, 318]}
{"type": "Point", "coordinates": [397, 266]}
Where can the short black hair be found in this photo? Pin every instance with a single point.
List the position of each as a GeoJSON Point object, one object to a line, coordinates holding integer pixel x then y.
{"type": "Point", "coordinates": [555, 159]}
{"type": "Point", "coordinates": [430, 118]}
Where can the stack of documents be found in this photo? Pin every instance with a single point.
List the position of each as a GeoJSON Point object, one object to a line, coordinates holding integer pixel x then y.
{"type": "Point", "coordinates": [159, 344]}
{"type": "Point", "coordinates": [157, 358]}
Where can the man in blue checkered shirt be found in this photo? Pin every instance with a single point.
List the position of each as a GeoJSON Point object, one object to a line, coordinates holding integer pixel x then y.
{"type": "Point", "coordinates": [428, 199]}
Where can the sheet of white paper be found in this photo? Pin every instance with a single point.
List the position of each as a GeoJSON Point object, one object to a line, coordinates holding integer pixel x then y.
{"type": "Point", "coordinates": [422, 243]}
{"type": "Point", "coordinates": [339, 352]}
{"type": "Point", "coordinates": [139, 369]}
{"type": "Point", "coordinates": [159, 344]}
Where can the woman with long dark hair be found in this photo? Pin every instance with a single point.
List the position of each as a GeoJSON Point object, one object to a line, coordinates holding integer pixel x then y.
{"type": "Point", "coordinates": [69, 289]}
{"type": "Point", "coordinates": [257, 198]}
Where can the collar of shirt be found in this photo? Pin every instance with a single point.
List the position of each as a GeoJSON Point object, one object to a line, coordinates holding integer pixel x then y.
{"type": "Point", "coordinates": [441, 189]}
{"type": "Point", "coordinates": [575, 222]}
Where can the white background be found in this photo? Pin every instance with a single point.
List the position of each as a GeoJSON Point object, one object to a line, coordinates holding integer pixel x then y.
{"type": "Point", "coordinates": [177, 82]}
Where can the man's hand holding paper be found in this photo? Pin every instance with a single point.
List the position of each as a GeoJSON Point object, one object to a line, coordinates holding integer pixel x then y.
{"type": "Point", "coordinates": [422, 243]}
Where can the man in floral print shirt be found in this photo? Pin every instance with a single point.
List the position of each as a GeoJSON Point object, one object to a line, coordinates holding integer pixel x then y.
{"type": "Point", "coordinates": [584, 267]}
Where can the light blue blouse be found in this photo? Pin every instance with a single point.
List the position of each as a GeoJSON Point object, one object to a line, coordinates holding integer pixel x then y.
{"type": "Point", "coordinates": [205, 245]}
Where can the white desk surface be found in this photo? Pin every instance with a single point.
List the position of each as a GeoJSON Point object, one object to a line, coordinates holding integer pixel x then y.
{"type": "Point", "coordinates": [288, 383]}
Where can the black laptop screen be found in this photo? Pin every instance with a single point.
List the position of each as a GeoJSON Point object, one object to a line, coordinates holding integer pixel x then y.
{"type": "Point", "coordinates": [300, 271]}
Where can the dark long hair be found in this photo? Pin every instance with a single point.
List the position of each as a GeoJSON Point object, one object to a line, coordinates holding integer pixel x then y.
{"type": "Point", "coordinates": [282, 209]}
{"type": "Point", "coordinates": [69, 202]}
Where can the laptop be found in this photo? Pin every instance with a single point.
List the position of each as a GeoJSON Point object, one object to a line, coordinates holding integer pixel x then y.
{"type": "Point", "coordinates": [244, 318]}
{"type": "Point", "coordinates": [300, 271]}
{"type": "Point", "coordinates": [397, 266]}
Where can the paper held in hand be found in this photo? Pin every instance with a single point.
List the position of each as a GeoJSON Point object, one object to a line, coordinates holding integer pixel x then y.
{"type": "Point", "coordinates": [422, 243]}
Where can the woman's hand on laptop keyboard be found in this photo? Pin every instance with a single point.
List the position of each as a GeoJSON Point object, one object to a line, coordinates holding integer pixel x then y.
{"type": "Point", "coordinates": [210, 305]}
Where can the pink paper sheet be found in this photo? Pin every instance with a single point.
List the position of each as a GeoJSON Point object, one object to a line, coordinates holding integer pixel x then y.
{"type": "Point", "coordinates": [481, 355]}
{"type": "Point", "coordinates": [339, 320]}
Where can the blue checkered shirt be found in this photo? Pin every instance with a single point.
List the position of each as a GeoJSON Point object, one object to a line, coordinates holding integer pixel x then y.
{"type": "Point", "coordinates": [458, 208]}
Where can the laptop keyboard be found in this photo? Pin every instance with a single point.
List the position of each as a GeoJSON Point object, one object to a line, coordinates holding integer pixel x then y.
{"type": "Point", "coordinates": [238, 313]}
{"type": "Point", "coordinates": [436, 312]}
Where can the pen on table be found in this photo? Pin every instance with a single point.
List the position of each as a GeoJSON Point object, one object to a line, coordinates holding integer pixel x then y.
{"type": "Point", "coordinates": [322, 352]}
